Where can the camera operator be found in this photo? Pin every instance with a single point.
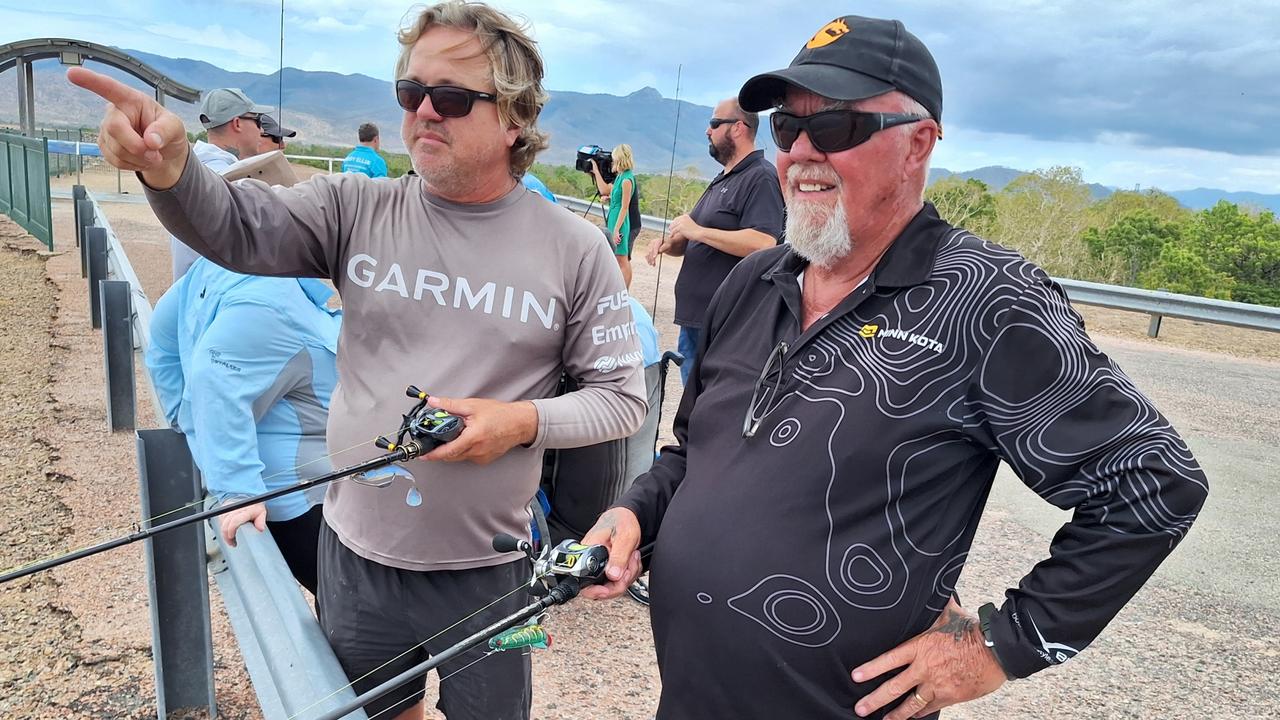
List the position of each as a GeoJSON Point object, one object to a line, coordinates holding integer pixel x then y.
{"type": "Point", "coordinates": [617, 226]}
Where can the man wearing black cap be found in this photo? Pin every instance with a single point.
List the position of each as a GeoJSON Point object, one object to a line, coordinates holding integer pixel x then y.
{"type": "Point", "coordinates": [883, 364]}
{"type": "Point", "coordinates": [273, 135]}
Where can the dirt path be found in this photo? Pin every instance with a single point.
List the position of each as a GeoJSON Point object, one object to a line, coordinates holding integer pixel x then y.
{"type": "Point", "coordinates": [90, 618]}
{"type": "Point", "coordinates": [55, 661]}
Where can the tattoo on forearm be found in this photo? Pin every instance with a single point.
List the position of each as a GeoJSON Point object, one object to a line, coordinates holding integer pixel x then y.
{"type": "Point", "coordinates": [956, 625]}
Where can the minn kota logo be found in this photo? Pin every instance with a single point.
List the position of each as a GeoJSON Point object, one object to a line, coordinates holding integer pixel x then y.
{"type": "Point", "coordinates": [829, 33]}
{"type": "Point", "coordinates": [869, 331]}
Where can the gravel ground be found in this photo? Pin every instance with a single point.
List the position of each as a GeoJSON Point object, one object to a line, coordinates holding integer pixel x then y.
{"type": "Point", "coordinates": [1187, 646]}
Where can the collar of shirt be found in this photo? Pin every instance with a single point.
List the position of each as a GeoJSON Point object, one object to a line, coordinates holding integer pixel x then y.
{"type": "Point", "coordinates": [213, 156]}
{"type": "Point", "coordinates": [908, 262]}
{"type": "Point", "coordinates": [753, 157]}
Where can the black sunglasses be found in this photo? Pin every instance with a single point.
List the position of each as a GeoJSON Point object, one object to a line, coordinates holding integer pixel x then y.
{"type": "Point", "coordinates": [257, 119]}
{"type": "Point", "coordinates": [717, 122]}
{"type": "Point", "coordinates": [832, 131]}
{"type": "Point", "coordinates": [764, 395]}
{"type": "Point", "coordinates": [448, 100]}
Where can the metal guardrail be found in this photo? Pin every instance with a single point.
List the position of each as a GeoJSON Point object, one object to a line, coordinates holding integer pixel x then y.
{"type": "Point", "coordinates": [295, 674]}
{"type": "Point", "coordinates": [1156, 303]}
{"type": "Point", "coordinates": [119, 268]}
{"type": "Point", "coordinates": [329, 160]}
{"type": "Point", "coordinates": [647, 222]}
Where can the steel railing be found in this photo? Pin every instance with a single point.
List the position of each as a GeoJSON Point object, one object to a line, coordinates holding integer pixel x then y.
{"type": "Point", "coordinates": [295, 673]}
{"type": "Point", "coordinates": [329, 160]}
{"type": "Point", "coordinates": [1159, 303]}
{"type": "Point", "coordinates": [647, 222]}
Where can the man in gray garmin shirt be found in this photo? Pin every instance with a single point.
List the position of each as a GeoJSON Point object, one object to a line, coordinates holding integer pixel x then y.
{"type": "Point", "coordinates": [457, 280]}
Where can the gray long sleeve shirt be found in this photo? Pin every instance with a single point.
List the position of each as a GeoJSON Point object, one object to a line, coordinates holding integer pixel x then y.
{"type": "Point", "coordinates": [491, 300]}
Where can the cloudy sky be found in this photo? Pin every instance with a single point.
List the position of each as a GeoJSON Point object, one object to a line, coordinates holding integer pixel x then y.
{"type": "Point", "coordinates": [1135, 92]}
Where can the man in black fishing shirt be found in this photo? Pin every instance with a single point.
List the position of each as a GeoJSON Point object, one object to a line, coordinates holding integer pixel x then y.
{"type": "Point", "coordinates": [837, 442]}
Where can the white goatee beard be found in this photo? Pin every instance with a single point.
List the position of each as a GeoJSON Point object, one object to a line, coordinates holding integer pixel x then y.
{"type": "Point", "coordinates": [821, 242]}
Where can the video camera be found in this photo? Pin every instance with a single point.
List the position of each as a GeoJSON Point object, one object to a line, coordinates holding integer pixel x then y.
{"type": "Point", "coordinates": [603, 158]}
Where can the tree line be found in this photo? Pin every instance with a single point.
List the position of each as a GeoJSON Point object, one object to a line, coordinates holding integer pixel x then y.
{"type": "Point", "coordinates": [1136, 238]}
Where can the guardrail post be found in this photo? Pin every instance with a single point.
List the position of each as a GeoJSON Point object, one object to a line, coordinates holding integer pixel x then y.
{"type": "Point", "coordinates": [84, 220]}
{"type": "Point", "coordinates": [1153, 329]}
{"type": "Point", "coordinates": [96, 242]}
{"type": "Point", "coordinates": [77, 194]}
{"type": "Point", "coordinates": [117, 351]}
{"type": "Point", "coordinates": [181, 641]}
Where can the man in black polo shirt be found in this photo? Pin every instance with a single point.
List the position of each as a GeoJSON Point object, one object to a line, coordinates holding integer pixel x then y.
{"type": "Point", "coordinates": [739, 213]}
{"type": "Point", "coordinates": [836, 444]}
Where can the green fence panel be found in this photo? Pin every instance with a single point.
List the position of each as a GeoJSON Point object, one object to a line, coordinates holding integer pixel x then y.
{"type": "Point", "coordinates": [24, 190]}
{"type": "Point", "coordinates": [6, 187]}
{"type": "Point", "coordinates": [40, 207]}
{"type": "Point", "coordinates": [18, 183]}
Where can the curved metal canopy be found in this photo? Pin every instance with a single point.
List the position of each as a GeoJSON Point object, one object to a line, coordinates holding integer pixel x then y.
{"type": "Point", "coordinates": [22, 53]}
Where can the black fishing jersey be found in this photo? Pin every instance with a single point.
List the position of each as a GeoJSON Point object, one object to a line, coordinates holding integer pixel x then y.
{"type": "Point", "coordinates": [839, 528]}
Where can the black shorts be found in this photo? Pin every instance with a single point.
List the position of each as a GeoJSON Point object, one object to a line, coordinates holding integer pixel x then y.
{"type": "Point", "coordinates": [376, 616]}
{"type": "Point", "coordinates": [297, 539]}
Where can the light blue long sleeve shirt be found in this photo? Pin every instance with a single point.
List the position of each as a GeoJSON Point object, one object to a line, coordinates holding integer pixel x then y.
{"type": "Point", "coordinates": [244, 366]}
{"type": "Point", "coordinates": [365, 160]}
{"type": "Point", "coordinates": [647, 333]}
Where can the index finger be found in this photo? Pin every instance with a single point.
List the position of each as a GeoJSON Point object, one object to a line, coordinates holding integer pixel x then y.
{"type": "Point", "coordinates": [904, 654]}
{"type": "Point", "coordinates": [109, 89]}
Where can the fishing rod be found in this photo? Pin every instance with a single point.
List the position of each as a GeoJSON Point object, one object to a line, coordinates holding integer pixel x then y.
{"type": "Point", "coordinates": [425, 427]}
{"type": "Point", "coordinates": [666, 210]}
{"type": "Point", "coordinates": [573, 566]}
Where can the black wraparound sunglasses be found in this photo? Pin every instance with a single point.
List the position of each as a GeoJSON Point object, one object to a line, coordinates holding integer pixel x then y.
{"type": "Point", "coordinates": [448, 100]}
{"type": "Point", "coordinates": [716, 122]}
{"type": "Point", "coordinates": [832, 131]}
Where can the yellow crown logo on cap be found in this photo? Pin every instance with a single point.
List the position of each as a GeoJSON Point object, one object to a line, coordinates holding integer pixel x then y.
{"type": "Point", "coordinates": [829, 33]}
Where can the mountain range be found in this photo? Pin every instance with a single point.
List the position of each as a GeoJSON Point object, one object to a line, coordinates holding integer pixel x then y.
{"type": "Point", "coordinates": [326, 108]}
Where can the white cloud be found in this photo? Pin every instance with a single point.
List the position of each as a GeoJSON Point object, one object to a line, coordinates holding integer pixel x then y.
{"type": "Point", "coordinates": [330, 24]}
{"type": "Point", "coordinates": [215, 37]}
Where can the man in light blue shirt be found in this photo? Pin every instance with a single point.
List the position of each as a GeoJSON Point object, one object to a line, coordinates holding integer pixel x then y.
{"type": "Point", "coordinates": [244, 366]}
{"type": "Point", "coordinates": [233, 123]}
{"type": "Point", "coordinates": [365, 158]}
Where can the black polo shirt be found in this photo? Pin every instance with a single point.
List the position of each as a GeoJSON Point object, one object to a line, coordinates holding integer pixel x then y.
{"type": "Point", "coordinates": [747, 197]}
{"type": "Point", "coordinates": [839, 529]}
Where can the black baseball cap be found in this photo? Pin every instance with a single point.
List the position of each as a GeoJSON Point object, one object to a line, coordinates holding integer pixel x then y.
{"type": "Point", "coordinates": [854, 58]}
{"type": "Point", "coordinates": [273, 128]}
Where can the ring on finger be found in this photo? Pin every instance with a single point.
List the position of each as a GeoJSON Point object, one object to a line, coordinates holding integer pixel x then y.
{"type": "Point", "coordinates": [915, 695]}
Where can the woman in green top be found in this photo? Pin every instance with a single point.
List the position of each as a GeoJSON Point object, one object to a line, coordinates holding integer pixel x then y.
{"type": "Point", "coordinates": [618, 222]}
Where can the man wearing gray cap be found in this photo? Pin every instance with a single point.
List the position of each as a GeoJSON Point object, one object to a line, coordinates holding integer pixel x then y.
{"type": "Point", "coordinates": [883, 363]}
{"type": "Point", "coordinates": [234, 125]}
